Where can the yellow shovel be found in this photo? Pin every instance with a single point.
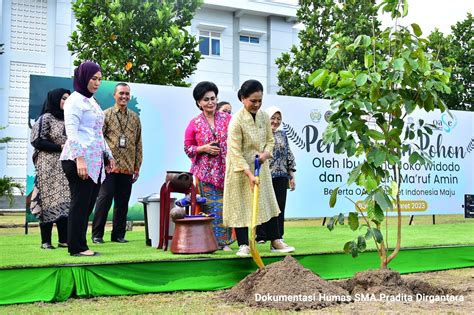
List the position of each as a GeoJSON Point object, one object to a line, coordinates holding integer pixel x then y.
{"type": "Point", "coordinates": [253, 246]}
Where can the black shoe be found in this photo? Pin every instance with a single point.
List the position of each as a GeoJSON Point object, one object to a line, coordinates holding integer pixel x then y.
{"type": "Point", "coordinates": [120, 240]}
{"type": "Point", "coordinates": [98, 240]}
{"type": "Point", "coordinates": [84, 255]}
{"type": "Point", "coordinates": [47, 246]}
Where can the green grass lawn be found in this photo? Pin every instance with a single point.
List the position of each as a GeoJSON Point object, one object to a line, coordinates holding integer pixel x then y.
{"type": "Point", "coordinates": [308, 236]}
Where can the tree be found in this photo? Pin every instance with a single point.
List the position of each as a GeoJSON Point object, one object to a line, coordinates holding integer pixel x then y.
{"type": "Point", "coordinates": [7, 185]}
{"type": "Point", "coordinates": [136, 40]}
{"type": "Point", "coordinates": [370, 101]}
{"type": "Point", "coordinates": [323, 19]}
{"type": "Point", "coordinates": [457, 52]}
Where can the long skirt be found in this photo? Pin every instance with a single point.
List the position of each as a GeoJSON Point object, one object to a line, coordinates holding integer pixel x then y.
{"type": "Point", "coordinates": [213, 206]}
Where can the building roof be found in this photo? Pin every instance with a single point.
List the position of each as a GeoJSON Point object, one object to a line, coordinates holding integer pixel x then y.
{"type": "Point", "coordinates": [283, 8]}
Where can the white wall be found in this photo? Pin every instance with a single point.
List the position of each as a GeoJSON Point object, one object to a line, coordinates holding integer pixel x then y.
{"type": "Point", "coordinates": [35, 33]}
{"type": "Point", "coordinates": [253, 57]}
{"type": "Point", "coordinates": [248, 60]}
{"type": "Point", "coordinates": [215, 68]}
{"type": "Point", "coordinates": [281, 36]}
{"type": "Point", "coordinates": [63, 28]}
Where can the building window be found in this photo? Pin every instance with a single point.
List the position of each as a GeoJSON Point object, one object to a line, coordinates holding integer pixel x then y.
{"type": "Point", "coordinates": [210, 43]}
{"type": "Point", "coordinates": [249, 39]}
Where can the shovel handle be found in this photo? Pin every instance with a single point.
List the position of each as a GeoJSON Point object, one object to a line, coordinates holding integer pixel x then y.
{"type": "Point", "coordinates": [257, 166]}
{"type": "Point", "coordinates": [253, 247]}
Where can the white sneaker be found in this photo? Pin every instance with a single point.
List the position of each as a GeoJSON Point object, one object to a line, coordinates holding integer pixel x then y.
{"type": "Point", "coordinates": [244, 250]}
{"type": "Point", "coordinates": [226, 248]}
{"type": "Point", "coordinates": [278, 246]}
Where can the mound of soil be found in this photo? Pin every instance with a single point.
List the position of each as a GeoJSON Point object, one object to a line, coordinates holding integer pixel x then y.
{"type": "Point", "coordinates": [389, 282]}
{"type": "Point", "coordinates": [287, 285]}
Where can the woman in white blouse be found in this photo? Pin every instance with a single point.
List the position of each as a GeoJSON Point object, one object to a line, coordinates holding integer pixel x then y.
{"type": "Point", "coordinates": [85, 154]}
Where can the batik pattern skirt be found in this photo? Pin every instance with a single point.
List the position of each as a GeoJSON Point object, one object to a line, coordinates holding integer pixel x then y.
{"type": "Point", "coordinates": [213, 206]}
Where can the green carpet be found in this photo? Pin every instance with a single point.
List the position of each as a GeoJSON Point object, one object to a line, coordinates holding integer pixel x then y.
{"type": "Point", "coordinates": [19, 250]}
{"type": "Point", "coordinates": [51, 284]}
{"type": "Point", "coordinates": [30, 274]}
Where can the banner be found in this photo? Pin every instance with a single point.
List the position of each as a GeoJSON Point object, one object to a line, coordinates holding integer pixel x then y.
{"type": "Point", "coordinates": [165, 112]}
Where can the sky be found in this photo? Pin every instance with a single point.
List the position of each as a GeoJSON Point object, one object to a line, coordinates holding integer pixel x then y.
{"type": "Point", "coordinates": [430, 14]}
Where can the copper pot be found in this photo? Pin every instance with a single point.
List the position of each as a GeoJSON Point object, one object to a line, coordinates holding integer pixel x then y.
{"type": "Point", "coordinates": [179, 180]}
{"type": "Point", "coordinates": [193, 235]}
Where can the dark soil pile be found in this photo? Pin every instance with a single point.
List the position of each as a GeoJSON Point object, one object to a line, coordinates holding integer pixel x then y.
{"type": "Point", "coordinates": [287, 285]}
{"type": "Point", "coordinates": [389, 282]}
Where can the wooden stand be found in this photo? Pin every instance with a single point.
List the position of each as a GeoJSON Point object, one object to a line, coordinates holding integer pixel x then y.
{"type": "Point", "coordinates": [165, 192]}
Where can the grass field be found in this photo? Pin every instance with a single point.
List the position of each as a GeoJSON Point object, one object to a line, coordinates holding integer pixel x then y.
{"type": "Point", "coordinates": [308, 236]}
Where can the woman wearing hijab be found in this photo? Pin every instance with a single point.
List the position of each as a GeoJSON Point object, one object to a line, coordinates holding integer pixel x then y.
{"type": "Point", "coordinates": [51, 203]}
{"type": "Point", "coordinates": [249, 135]}
{"type": "Point", "coordinates": [282, 167]}
{"type": "Point", "coordinates": [85, 154]}
{"type": "Point", "coordinates": [205, 144]}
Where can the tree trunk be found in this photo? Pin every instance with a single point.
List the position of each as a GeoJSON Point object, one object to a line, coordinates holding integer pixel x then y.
{"type": "Point", "coordinates": [394, 254]}
{"type": "Point", "coordinates": [383, 253]}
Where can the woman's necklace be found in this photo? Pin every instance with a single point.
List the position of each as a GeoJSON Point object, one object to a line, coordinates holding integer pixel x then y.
{"type": "Point", "coordinates": [210, 118]}
{"type": "Point", "coordinates": [210, 123]}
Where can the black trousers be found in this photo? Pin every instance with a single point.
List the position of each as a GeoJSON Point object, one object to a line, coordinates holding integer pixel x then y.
{"type": "Point", "coordinates": [270, 228]}
{"type": "Point", "coordinates": [83, 196]}
{"type": "Point", "coordinates": [47, 229]}
{"type": "Point", "coordinates": [280, 187]}
{"type": "Point", "coordinates": [117, 187]}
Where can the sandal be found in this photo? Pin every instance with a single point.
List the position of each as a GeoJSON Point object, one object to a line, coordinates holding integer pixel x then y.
{"type": "Point", "coordinates": [62, 245]}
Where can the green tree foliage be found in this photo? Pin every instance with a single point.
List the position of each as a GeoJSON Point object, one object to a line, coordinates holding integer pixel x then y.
{"type": "Point", "coordinates": [7, 185]}
{"type": "Point", "coordinates": [370, 102]}
{"type": "Point", "coordinates": [137, 40]}
{"type": "Point", "coordinates": [7, 189]}
{"type": "Point", "coordinates": [4, 139]}
{"type": "Point", "coordinates": [457, 52]}
{"type": "Point", "coordinates": [322, 20]}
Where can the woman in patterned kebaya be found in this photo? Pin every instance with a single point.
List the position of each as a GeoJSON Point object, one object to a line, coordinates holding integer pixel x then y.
{"type": "Point", "coordinates": [282, 167]}
{"type": "Point", "coordinates": [51, 203]}
{"type": "Point", "coordinates": [250, 134]}
{"type": "Point", "coordinates": [85, 154]}
{"type": "Point", "coordinates": [205, 144]}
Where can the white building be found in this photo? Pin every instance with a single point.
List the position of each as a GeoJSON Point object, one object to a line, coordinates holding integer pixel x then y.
{"type": "Point", "coordinates": [240, 40]}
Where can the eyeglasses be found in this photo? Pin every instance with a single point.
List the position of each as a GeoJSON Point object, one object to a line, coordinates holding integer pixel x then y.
{"type": "Point", "coordinates": [207, 99]}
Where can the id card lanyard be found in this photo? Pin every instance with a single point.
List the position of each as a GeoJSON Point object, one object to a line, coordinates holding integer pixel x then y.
{"type": "Point", "coordinates": [122, 139]}
{"type": "Point", "coordinates": [213, 131]}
